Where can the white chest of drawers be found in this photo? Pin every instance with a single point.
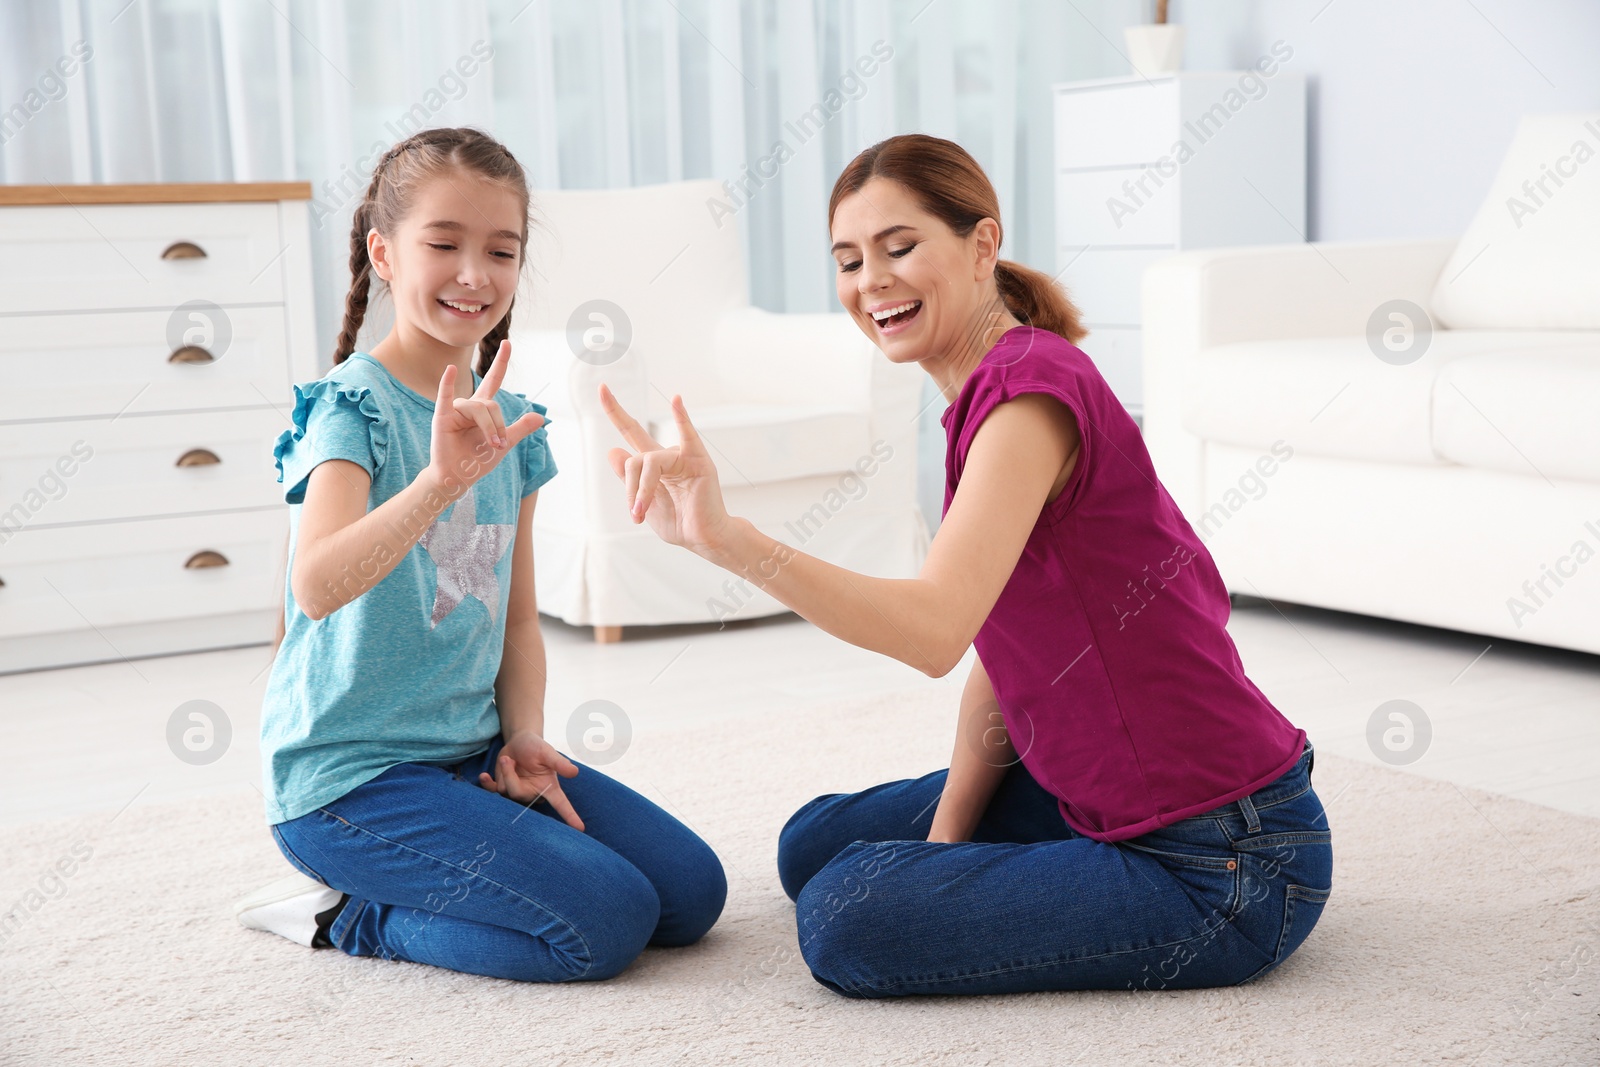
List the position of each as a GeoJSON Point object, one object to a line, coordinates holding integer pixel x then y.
{"type": "Point", "coordinates": [149, 335]}
{"type": "Point", "coordinates": [1146, 167]}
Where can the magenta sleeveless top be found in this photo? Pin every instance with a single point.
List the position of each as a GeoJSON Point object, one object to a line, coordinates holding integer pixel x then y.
{"type": "Point", "coordinates": [1108, 651]}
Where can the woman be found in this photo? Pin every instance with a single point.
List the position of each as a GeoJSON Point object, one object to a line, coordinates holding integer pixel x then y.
{"type": "Point", "coordinates": [1145, 818]}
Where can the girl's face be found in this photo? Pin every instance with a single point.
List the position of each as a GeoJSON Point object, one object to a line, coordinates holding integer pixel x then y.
{"type": "Point", "coordinates": [893, 256]}
{"type": "Point", "coordinates": [453, 262]}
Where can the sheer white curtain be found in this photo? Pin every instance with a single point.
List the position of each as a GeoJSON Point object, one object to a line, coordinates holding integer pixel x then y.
{"type": "Point", "coordinates": [771, 96]}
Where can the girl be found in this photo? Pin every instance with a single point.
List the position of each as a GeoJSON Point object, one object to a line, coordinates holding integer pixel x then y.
{"type": "Point", "coordinates": [402, 730]}
{"type": "Point", "coordinates": [1145, 816]}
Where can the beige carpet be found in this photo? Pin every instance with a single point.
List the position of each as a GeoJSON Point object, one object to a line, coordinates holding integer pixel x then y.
{"type": "Point", "coordinates": [1464, 928]}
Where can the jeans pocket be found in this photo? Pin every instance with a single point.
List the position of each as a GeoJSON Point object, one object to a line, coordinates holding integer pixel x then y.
{"type": "Point", "coordinates": [1302, 907]}
{"type": "Point", "coordinates": [1215, 878]}
{"type": "Point", "coordinates": [294, 861]}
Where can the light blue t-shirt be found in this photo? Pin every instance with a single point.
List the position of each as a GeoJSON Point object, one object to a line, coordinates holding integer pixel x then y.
{"type": "Point", "coordinates": [405, 672]}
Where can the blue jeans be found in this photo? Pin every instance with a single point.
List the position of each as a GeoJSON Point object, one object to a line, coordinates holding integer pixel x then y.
{"type": "Point", "coordinates": [441, 870]}
{"type": "Point", "coordinates": [1031, 904]}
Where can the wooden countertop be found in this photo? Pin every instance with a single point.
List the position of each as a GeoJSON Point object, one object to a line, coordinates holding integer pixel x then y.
{"type": "Point", "coordinates": [160, 193]}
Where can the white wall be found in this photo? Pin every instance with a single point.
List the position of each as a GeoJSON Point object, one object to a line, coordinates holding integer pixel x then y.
{"type": "Point", "coordinates": [1413, 102]}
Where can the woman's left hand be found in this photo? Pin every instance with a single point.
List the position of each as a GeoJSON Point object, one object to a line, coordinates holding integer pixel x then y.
{"type": "Point", "coordinates": [530, 769]}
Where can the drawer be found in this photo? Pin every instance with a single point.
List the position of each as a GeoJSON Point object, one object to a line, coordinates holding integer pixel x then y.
{"type": "Point", "coordinates": [1116, 125]}
{"type": "Point", "coordinates": [1104, 282]}
{"type": "Point", "coordinates": [1084, 214]}
{"type": "Point", "coordinates": [68, 257]}
{"type": "Point", "coordinates": [91, 365]}
{"type": "Point", "coordinates": [98, 469]}
{"type": "Point", "coordinates": [116, 574]}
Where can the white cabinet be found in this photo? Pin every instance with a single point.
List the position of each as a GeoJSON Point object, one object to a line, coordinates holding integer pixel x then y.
{"type": "Point", "coordinates": [149, 338]}
{"type": "Point", "coordinates": [1145, 167]}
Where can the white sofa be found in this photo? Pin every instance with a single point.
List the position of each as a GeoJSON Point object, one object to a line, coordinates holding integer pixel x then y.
{"type": "Point", "coordinates": [813, 430]}
{"type": "Point", "coordinates": [1332, 454]}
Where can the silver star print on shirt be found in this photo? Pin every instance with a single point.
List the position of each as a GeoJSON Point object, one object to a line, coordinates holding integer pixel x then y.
{"type": "Point", "coordinates": [465, 552]}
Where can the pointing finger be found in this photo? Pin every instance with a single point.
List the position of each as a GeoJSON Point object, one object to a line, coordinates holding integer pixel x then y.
{"type": "Point", "coordinates": [631, 431]}
{"type": "Point", "coordinates": [447, 387]}
{"type": "Point", "coordinates": [688, 436]}
{"type": "Point", "coordinates": [497, 372]}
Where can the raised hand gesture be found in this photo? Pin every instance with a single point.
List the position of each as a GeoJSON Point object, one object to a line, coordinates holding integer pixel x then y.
{"type": "Point", "coordinates": [675, 489]}
{"type": "Point", "coordinates": [470, 437]}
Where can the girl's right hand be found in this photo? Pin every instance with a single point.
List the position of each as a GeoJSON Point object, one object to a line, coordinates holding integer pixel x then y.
{"type": "Point", "coordinates": [470, 437]}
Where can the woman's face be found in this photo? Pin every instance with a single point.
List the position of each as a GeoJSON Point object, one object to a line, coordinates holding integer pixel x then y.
{"type": "Point", "coordinates": [460, 242]}
{"type": "Point", "coordinates": [892, 256]}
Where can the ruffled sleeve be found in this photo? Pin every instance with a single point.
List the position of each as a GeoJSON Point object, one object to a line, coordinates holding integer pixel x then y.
{"type": "Point", "coordinates": [332, 420]}
{"type": "Point", "coordinates": [538, 466]}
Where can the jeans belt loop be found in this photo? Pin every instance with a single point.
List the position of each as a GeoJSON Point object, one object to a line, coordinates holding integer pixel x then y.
{"type": "Point", "coordinates": [1252, 821]}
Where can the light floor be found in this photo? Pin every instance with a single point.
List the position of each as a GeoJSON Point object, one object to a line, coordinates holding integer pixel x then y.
{"type": "Point", "coordinates": [1516, 719]}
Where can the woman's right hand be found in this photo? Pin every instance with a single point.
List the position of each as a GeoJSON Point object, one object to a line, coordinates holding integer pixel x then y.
{"type": "Point", "coordinates": [470, 437]}
{"type": "Point", "coordinates": [675, 488]}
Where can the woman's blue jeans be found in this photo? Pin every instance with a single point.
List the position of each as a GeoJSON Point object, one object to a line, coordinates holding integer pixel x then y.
{"type": "Point", "coordinates": [441, 870]}
{"type": "Point", "coordinates": [1030, 904]}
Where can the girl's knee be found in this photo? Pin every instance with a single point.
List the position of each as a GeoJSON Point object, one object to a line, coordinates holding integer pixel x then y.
{"type": "Point", "coordinates": [693, 902]}
{"type": "Point", "coordinates": [616, 930]}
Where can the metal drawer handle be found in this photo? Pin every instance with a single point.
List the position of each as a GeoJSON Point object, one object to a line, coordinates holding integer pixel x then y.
{"type": "Point", "coordinates": [206, 558]}
{"type": "Point", "coordinates": [198, 457]}
{"type": "Point", "coordinates": [191, 354]}
{"type": "Point", "coordinates": [183, 250]}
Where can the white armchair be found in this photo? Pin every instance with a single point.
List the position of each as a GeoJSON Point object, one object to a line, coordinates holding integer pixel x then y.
{"type": "Point", "coordinates": [812, 429]}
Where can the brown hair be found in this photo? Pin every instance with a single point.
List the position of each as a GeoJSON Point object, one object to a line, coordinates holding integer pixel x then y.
{"type": "Point", "coordinates": [949, 184]}
{"type": "Point", "coordinates": [395, 180]}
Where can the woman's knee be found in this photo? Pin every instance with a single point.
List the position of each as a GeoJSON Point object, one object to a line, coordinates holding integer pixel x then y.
{"type": "Point", "coordinates": [842, 917]}
{"type": "Point", "coordinates": [803, 848]}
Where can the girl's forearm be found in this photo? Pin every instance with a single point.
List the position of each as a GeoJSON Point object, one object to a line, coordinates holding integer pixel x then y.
{"type": "Point", "coordinates": [519, 688]}
{"type": "Point", "coordinates": [335, 569]}
{"type": "Point", "coordinates": [898, 617]}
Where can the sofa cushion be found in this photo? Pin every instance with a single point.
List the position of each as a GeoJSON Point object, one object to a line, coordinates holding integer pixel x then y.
{"type": "Point", "coordinates": [1531, 257]}
{"type": "Point", "coordinates": [759, 443]}
{"type": "Point", "coordinates": [1533, 413]}
{"type": "Point", "coordinates": [1333, 397]}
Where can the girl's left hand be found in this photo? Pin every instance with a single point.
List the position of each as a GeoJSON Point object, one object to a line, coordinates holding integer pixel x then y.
{"type": "Point", "coordinates": [530, 769]}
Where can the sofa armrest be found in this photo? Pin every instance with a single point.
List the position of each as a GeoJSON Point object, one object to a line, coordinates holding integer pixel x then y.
{"type": "Point", "coordinates": [1196, 300]}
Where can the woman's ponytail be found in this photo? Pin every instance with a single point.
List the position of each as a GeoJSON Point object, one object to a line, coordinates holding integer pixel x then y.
{"type": "Point", "coordinates": [1035, 299]}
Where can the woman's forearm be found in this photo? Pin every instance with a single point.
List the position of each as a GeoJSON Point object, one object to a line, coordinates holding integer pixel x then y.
{"type": "Point", "coordinates": [979, 761]}
{"type": "Point", "coordinates": [898, 617]}
{"type": "Point", "coordinates": [333, 570]}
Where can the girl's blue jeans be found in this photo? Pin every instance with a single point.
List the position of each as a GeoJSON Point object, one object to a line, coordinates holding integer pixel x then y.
{"type": "Point", "coordinates": [441, 870]}
{"type": "Point", "coordinates": [1030, 904]}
